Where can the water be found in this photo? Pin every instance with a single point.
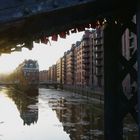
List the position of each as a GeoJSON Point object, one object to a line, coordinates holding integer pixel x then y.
{"type": "Point", "coordinates": [52, 115]}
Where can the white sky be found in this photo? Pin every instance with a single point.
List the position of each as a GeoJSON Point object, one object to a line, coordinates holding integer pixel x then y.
{"type": "Point", "coordinates": [46, 55]}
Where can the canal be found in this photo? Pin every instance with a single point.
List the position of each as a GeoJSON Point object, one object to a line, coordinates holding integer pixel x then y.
{"type": "Point", "coordinates": [53, 115]}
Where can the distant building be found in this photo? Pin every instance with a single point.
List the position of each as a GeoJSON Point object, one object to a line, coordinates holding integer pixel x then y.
{"type": "Point", "coordinates": [59, 70]}
{"type": "Point", "coordinates": [70, 67]}
{"type": "Point", "coordinates": [79, 65]}
{"type": "Point", "coordinates": [64, 69]}
{"type": "Point", "coordinates": [76, 45]}
{"type": "Point", "coordinates": [98, 58]}
{"type": "Point", "coordinates": [31, 70]}
{"type": "Point", "coordinates": [91, 53]}
{"type": "Point", "coordinates": [52, 74]}
{"type": "Point", "coordinates": [43, 76]}
{"type": "Point", "coordinates": [84, 61]}
{"type": "Point", "coordinates": [83, 65]}
{"type": "Point", "coordinates": [26, 75]}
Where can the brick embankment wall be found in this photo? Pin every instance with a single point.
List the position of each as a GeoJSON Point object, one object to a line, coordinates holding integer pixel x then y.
{"type": "Point", "coordinates": [85, 92]}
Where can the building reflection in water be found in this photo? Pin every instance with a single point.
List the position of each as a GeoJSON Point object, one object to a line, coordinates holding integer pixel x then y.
{"type": "Point", "coordinates": [85, 120]}
{"type": "Point", "coordinates": [26, 104]}
{"type": "Point", "coordinates": [79, 120]}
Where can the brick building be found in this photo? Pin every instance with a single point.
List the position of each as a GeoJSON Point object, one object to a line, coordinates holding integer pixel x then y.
{"type": "Point", "coordinates": [82, 61]}
{"type": "Point", "coordinates": [43, 76]}
{"type": "Point", "coordinates": [64, 69]}
{"type": "Point", "coordinates": [83, 64]}
{"type": "Point", "coordinates": [52, 75]}
{"type": "Point", "coordinates": [98, 58]}
{"type": "Point", "coordinates": [26, 75]}
{"type": "Point", "coordinates": [28, 71]}
{"type": "Point", "coordinates": [59, 70]}
{"type": "Point", "coordinates": [70, 66]}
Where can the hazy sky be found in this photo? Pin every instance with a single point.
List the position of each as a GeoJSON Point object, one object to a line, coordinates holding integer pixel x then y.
{"type": "Point", "coordinates": [46, 55]}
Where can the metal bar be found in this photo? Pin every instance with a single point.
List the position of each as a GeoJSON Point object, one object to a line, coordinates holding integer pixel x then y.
{"type": "Point", "coordinates": [128, 106]}
{"type": "Point", "coordinates": [138, 57]}
{"type": "Point", "coordinates": [128, 67]}
{"type": "Point", "coordinates": [131, 25]}
{"type": "Point", "coordinates": [112, 50]}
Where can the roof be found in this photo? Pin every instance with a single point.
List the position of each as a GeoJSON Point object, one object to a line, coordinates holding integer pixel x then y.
{"type": "Point", "coordinates": [22, 22]}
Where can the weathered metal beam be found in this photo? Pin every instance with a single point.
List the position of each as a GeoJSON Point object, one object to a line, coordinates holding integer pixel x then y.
{"type": "Point", "coordinates": [128, 67]}
{"type": "Point", "coordinates": [128, 106]}
{"type": "Point", "coordinates": [112, 85]}
{"type": "Point", "coordinates": [130, 25]}
{"type": "Point", "coordinates": [23, 20]}
{"type": "Point", "coordinates": [138, 57]}
{"type": "Point", "coordinates": [16, 9]}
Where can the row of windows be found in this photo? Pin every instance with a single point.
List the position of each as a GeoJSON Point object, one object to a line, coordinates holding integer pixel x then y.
{"type": "Point", "coordinates": [31, 73]}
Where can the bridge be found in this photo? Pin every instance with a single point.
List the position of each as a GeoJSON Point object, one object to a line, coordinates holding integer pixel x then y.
{"type": "Point", "coordinates": [23, 22]}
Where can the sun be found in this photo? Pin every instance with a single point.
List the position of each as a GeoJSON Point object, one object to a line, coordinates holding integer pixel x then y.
{"type": "Point", "coordinates": [8, 62]}
{"type": "Point", "coordinates": [46, 55]}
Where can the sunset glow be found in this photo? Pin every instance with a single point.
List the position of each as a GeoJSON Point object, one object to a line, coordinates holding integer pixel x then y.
{"type": "Point", "coordinates": [46, 55]}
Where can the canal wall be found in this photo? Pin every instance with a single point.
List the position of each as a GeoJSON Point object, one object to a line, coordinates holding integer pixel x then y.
{"type": "Point", "coordinates": [85, 91]}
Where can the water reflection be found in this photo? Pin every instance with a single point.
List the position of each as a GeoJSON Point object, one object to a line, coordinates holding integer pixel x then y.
{"type": "Point", "coordinates": [130, 129]}
{"type": "Point", "coordinates": [26, 116]}
{"type": "Point", "coordinates": [80, 119]}
{"type": "Point", "coordinates": [53, 115]}
{"type": "Point", "coordinates": [26, 104]}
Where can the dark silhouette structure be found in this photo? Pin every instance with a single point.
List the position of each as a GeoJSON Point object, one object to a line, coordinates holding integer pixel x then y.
{"type": "Point", "coordinates": [23, 22]}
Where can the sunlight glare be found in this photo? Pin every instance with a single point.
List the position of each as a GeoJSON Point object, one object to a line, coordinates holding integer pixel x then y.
{"type": "Point", "coordinates": [46, 55]}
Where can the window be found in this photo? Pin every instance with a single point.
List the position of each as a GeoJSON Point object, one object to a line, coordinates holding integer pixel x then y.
{"type": "Point", "coordinates": [31, 65]}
